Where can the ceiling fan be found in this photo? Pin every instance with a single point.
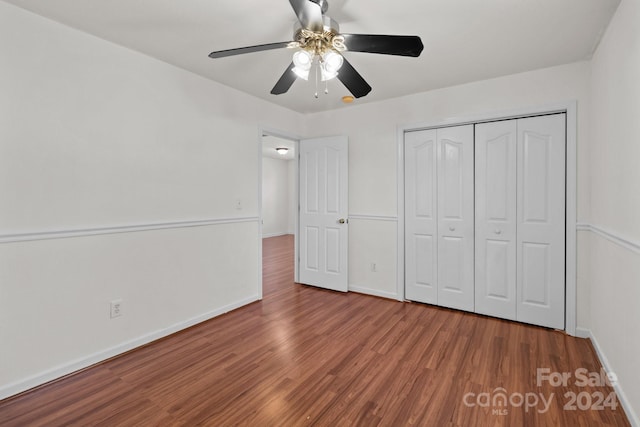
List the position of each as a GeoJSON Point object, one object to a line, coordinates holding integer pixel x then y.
{"type": "Point", "coordinates": [320, 45]}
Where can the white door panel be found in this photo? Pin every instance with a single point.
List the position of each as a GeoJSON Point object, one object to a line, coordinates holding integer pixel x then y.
{"type": "Point", "coordinates": [332, 240]}
{"type": "Point", "coordinates": [455, 217]}
{"type": "Point", "coordinates": [439, 217]}
{"type": "Point", "coordinates": [497, 278]}
{"type": "Point", "coordinates": [541, 220]}
{"type": "Point", "coordinates": [485, 218]}
{"type": "Point", "coordinates": [323, 203]}
{"type": "Point", "coordinates": [420, 217]}
{"type": "Point", "coordinates": [425, 272]}
{"type": "Point", "coordinates": [451, 265]}
{"type": "Point", "coordinates": [536, 284]}
{"type": "Point", "coordinates": [310, 236]}
{"type": "Point", "coordinates": [495, 187]}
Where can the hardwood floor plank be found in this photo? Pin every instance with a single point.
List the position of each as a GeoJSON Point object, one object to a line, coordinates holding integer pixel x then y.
{"type": "Point", "coordinates": [307, 356]}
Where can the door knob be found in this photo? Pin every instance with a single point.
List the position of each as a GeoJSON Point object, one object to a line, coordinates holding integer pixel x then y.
{"type": "Point", "coordinates": [498, 231]}
{"type": "Point", "coordinates": [452, 228]}
{"type": "Point", "coordinates": [342, 220]}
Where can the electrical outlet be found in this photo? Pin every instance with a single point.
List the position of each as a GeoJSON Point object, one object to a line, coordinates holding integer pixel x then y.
{"type": "Point", "coordinates": [116, 308]}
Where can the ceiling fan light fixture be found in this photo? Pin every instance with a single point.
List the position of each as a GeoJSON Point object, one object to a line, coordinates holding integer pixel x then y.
{"type": "Point", "coordinates": [330, 64]}
{"type": "Point", "coordinates": [303, 74]}
{"type": "Point", "coordinates": [320, 43]}
{"type": "Point", "coordinates": [302, 61]}
{"type": "Point", "coordinates": [282, 150]}
{"type": "Point", "coordinates": [332, 61]}
{"type": "Point", "coordinates": [327, 75]}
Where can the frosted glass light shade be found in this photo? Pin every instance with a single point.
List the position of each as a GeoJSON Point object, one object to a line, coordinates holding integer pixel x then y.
{"type": "Point", "coordinates": [302, 61]}
{"type": "Point", "coordinates": [331, 63]}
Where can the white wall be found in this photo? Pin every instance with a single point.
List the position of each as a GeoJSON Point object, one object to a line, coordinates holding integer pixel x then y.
{"type": "Point", "coordinates": [98, 138]}
{"type": "Point", "coordinates": [614, 265]}
{"type": "Point", "coordinates": [276, 197]}
{"type": "Point", "coordinates": [292, 210]}
{"type": "Point", "coordinates": [372, 131]}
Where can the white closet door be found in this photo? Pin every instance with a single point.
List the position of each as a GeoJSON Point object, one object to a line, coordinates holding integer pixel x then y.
{"type": "Point", "coordinates": [420, 217]}
{"type": "Point", "coordinates": [541, 221]}
{"type": "Point", "coordinates": [455, 217]}
{"type": "Point", "coordinates": [495, 275]}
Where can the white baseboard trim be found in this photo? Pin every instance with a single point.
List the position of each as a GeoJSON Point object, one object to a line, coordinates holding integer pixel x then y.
{"type": "Point", "coordinates": [583, 332]}
{"type": "Point", "coordinates": [622, 397]}
{"type": "Point", "coordinates": [266, 236]}
{"type": "Point", "coordinates": [85, 362]}
{"type": "Point", "coordinates": [374, 292]}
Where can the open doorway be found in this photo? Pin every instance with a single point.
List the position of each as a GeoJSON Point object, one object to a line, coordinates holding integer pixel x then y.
{"type": "Point", "coordinates": [307, 197]}
{"type": "Point", "coordinates": [279, 208]}
{"type": "Point", "coordinates": [279, 175]}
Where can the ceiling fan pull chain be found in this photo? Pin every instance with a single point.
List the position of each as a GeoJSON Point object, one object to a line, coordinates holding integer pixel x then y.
{"type": "Point", "coordinates": [326, 87]}
{"type": "Point", "coordinates": [316, 94]}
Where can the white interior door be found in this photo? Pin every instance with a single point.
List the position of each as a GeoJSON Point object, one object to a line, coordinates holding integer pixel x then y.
{"type": "Point", "coordinates": [421, 233]}
{"type": "Point", "coordinates": [496, 157]}
{"type": "Point", "coordinates": [324, 212]}
{"type": "Point", "coordinates": [541, 220]}
{"type": "Point", "coordinates": [455, 161]}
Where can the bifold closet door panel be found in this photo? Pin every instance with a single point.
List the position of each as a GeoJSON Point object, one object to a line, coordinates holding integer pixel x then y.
{"type": "Point", "coordinates": [541, 221]}
{"type": "Point", "coordinates": [495, 240]}
{"type": "Point", "coordinates": [455, 260]}
{"type": "Point", "coordinates": [421, 253]}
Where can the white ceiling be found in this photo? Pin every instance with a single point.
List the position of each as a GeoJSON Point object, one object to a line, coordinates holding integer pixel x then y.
{"type": "Point", "coordinates": [465, 40]}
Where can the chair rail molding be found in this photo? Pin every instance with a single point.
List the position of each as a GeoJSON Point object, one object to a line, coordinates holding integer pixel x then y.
{"type": "Point", "coordinates": [363, 217]}
{"type": "Point", "coordinates": [612, 236]}
{"type": "Point", "coordinates": [130, 228]}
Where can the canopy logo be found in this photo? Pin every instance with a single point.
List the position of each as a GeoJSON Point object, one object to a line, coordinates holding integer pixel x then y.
{"type": "Point", "coordinates": [499, 400]}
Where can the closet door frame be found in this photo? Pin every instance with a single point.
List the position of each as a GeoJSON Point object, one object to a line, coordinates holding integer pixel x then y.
{"type": "Point", "coordinates": [570, 108]}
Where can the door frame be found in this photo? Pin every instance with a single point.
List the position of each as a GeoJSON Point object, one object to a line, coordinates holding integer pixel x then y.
{"type": "Point", "coordinates": [262, 131]}
{"type": "Point", "coordinates": [567, 107]}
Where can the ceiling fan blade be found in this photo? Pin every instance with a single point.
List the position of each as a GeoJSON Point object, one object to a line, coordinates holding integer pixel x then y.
{"type": "Point", "coordinates": [309, 13]}
{"type": "Point", "coordinates": [285, 82]}
{"type": "Point", "coordinates": [248, 49]}
{"type": "Point", "coordinates": [353, 80]}
{"type": "Point", "coordinates": [386, 45]}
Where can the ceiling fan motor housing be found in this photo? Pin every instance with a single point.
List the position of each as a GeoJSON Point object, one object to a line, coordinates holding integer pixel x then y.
{"type": "Point", "coordinates": [319, 42]}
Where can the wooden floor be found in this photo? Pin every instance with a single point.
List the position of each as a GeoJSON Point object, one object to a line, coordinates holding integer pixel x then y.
{"type": "Point", "coordinates": [306, 356]}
